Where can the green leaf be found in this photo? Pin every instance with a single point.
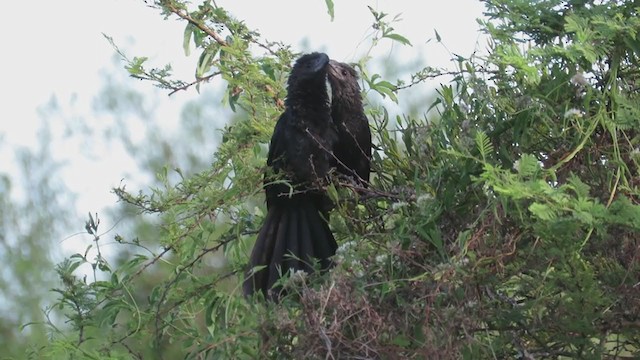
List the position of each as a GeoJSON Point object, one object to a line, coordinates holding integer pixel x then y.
{"type": "Point", "coordinates": [186, 40]}
{"type": "Point", "coordinates": [333, 193]}
{"type": "Point", "coordinates": [210, 312]}
{"type": "Point", "coordinates": [542, 211]}
{"type": "Point", "coordinates": [204, 63]}
{"type": "Point", "coordinates": [135, 66]}
{"type": "Point", "coordinates": [386, 84]}
{"type": "Point", "coordinates": [385, 91]}
{"type": "Point", "coordinates": [330, 8]}
{"type": "Point", "coordinates": [74, 265]}
{"type": "Point", "coordinates": [401, 341]}
{"type": "Point", "coordinates": [579, 187]}
{"type": "Point", "coordinates": [484, 144]}
{"type": "Point", "coordinates": [399, 38]}
{"type": "Point", "coordinates": [528, 165]}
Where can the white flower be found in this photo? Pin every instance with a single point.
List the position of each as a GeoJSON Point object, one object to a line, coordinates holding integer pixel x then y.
{"type": "Point", "coordinates": [573, 113]}
{"type": "Point", "coordinates": [423, 198]}
{"type": "Point", "coordinates": [579, 79]}
{"type": "Point", "coordinates": [343, 248]}
{"type": "Point", "coordinates": [299, 275]}
{"type": "Point", "coordinates": [398, 205]}
{"type": "Point", "coordinates": [381, 259]}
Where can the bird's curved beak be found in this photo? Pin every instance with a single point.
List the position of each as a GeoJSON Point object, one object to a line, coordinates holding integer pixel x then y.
{"type": "Point", "coordinates": [320, 62]}
{"type": "Point", "coordinates": [329, 89]}
{"type": "Point", "coordinates": [333, 73]}
{"type": "Point", "coordinates": [333, 68]}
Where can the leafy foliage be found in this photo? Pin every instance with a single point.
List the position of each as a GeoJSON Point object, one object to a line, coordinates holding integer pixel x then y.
{"type": "Point", "coordinates": [506, 226]}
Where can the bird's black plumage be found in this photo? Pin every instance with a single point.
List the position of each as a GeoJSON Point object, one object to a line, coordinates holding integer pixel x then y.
{"type": "Point", "coordinates": [295, 230]}
{"type": "Point", "coordinates": [353, 148]}
{"type": "Point", "coordinates": [316, 134]}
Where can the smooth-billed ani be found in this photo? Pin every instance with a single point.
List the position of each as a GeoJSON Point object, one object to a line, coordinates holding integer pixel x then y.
{"type": "Point", "coordinates": [316, 134]}
{"type": "Point", "coordinates": [295, 230]}
{"type": "Point", "coordinates": [353, 148]}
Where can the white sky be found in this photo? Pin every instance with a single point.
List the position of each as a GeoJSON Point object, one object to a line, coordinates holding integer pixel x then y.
{"type": "Point", "coordinates": [57, 48]}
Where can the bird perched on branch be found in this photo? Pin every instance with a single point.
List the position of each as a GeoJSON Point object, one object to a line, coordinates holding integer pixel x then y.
{"type": "Point", "coordinates": [308, 143]}
{"type": "Point", "coordinates": [353, 148]}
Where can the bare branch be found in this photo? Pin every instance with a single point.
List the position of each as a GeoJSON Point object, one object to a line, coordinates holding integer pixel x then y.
{"type": "Point", "coordinates": [197, 81]}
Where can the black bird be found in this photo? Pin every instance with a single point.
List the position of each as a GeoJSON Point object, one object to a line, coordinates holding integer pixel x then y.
{"type": "Point", "coordinates": [353, 148]}
{"type": "Point", "coordinates": [295, 230]}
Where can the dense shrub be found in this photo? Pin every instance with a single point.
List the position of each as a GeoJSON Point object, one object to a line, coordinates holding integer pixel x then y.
{"type": "Point", "coordinates": [506, 225]}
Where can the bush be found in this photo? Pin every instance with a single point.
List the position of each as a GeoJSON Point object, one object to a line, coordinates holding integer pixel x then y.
{"type": "Point", "coordinates": [505, 226]}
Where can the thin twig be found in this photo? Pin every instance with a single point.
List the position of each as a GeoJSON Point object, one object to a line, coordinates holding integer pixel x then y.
{"type": "Point", "coordinates": [185, 15]}
{"type": "Point", "coordinates": [197, 81]}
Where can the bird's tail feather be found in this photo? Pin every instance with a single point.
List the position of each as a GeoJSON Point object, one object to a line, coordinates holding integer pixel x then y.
{"type": "Point", "coordinates": [293, 236]}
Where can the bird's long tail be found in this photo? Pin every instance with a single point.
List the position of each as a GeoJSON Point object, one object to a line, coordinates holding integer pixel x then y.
{"type": "Point", "coordinates": [293, 236]}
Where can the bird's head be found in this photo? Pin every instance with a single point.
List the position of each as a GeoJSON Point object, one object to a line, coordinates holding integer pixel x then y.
{"type": "Point", "coordinates": [309, 76]}
{"type": "Point", "coordinates": [309, 66]}
{"type": "Point", "coordinates": [343, 78]}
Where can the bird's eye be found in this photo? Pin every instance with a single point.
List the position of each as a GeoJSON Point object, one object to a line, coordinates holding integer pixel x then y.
{"type": "Point", "coordinates": [344, 72]}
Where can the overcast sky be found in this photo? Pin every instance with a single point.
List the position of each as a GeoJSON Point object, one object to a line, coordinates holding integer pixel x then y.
{"type": "Point", "coordinates": [56, 48]}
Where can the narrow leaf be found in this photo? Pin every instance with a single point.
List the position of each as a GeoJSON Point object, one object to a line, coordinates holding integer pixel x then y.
{"type": "Point", "coordinates": [399, 38]}
{"type": "Point", "coordinates": [330, 8]}
{"type": "Point", "coordinates": [186, 41]}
